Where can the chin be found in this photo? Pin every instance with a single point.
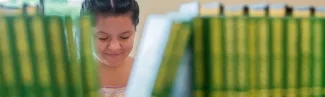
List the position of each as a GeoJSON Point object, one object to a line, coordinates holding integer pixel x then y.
{"type": "Point", "coordinates": [114, 62]}
{"type": "Point", "coordinates": [111, 65]}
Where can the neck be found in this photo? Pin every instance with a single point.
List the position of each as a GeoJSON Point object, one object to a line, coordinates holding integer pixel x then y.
{"type": "Point", "coordinates": [114, 76]}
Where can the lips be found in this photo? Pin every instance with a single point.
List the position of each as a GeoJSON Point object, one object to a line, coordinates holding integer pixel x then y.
{"type": "Point", "coordinates": [113, 54]}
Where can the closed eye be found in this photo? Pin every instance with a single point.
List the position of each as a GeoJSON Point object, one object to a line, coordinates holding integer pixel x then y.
{"type": "Point", "coordinates": [102, 38]}
{"type": "Point", "coordinates": [125, 37]}
{"type": "Point", "coordinates": [102, 35]}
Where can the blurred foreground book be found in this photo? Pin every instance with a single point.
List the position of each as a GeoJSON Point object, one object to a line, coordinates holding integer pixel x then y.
{"type": "Point", "coordinates": [242, 51]}
{"type": "Point", "coordinates": [38, 57]}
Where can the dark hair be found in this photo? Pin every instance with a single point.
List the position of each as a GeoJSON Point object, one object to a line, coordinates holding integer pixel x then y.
{"type": "Point", "coordinates": [112, 8]}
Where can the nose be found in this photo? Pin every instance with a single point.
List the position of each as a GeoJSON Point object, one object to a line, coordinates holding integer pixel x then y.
{"type": "Point", "coordinates": [114, 45]}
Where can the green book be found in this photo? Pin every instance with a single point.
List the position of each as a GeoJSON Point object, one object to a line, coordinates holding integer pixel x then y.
{"type": "Point", "coordinates": [322, 25]}
{"type": "Point", "coordinates": [181, 43]}
{"type": "Point", "coordinates": [284, 67]}
{"type": "Point", "coordinates": [230, 49]}
{"type": "Point", "coordinates": [206, 51]}
{"type": "Point", "coordinates": [18, 86]}
{"type": "Point", "coordinates": [263, 48]}
{"type": "Point", "coordinates": [89, 65]}
{"type": "Point", "coordinates": [199, 85]}
{"type": "Point", "coordinates": [36, 86]}
{"type": "Point", "coordinates": [277, 57]}
{"type": "Point", "coordinates": [73, 68]}
{"type": "Point", "coordinates": [63, 30]}
{"type": "Point", "coordinates": [24, 56]}
{"type": "Point", "coordinates": [292, 54]}
{"type": "Point", "coordinates": [305, 80]}
{"type": "Point", "coordinates": [160, 83]}
{"type": "Point", "coordinates": [216, 42]}
{"type": "Point", "coordinates": [2, 79]}
{"type": "Point", "coordinates": [317, 55]}
{"type": "Point", "coordinates": [245, 67]}
{"type": "Point", "coordinates": [206, 25]}
{"type": "Point", "coordinates": [251, 66]}
{"type": "Point", "coordinates": [6, 62]}
{"type": "Point", "coordinates": [44, 79]}
{"type": "Point", "coordinates": [57, 50]}
{"type": "Point", "coordinates": [49, 53]}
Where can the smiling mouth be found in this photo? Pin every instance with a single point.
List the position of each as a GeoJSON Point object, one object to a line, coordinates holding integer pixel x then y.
{"type": "Point", "coordinates": [114, 55]}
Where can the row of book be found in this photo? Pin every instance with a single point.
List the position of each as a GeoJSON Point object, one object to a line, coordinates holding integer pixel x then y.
{"type": "Point", "coordinates": [39, 57]}
{"type": "Point", "coordinates": [277, 54]}
{"type": "Point", "coordinates": [258, 57]}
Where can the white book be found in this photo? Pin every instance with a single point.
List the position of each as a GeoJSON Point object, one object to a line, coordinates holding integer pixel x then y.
{"type": "Point", "coordinates": [149, 56]}
{"type": "Point", "coordinates": [151, 50]}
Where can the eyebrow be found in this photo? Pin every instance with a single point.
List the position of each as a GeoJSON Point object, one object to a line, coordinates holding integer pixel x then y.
{"type": "Point", "coordinates": [102, 32]}
{"type": "Point", "coordinates": [126, 32]}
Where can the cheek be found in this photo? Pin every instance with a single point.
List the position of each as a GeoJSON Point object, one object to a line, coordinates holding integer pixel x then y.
{"type": "Point", "coordinates": [128, 46]}
{"type": "Point", "coordinates": [100, 46]}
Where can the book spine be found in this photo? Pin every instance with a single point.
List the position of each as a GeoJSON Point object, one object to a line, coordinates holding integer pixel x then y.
{"type": "Point", "coordinates": [74, 65]}
{"type": "Point", "coordinates": [18, 86]}
{"type": "Point", "coordinates": [3, 86]}
{"type": "Point", "coordinates": [251, 67]}
{"type": "Point", "coordinates": [230, 57]}
{"type": "Point", "coordinates": [263, 48]}
{"type": "Point", "coordinates": [246, 59]}
{"type": "Point", "coordinates": [178, 54]}
{"type": "Point", "coordinates": [41, 57]}
{"type": "Point", "coordinates": [30, 41]}
{"type": "Point", "coordinates": [284, 68]}
{"type": "Point", "coordinates": [57, 50]}
{"type": "Point", "coordinates": [277, 51]}
{"type": "Point", "coordinates": [199, 76]}
{"type": "Point", "coordinates": [292, 57]}
{"type": "Point", "coordinates": [233, 87]}
{"type": "Point", "coordinates": [300, 59]}
{"type": "Point", "coordinates": [65, 56]}
{"type": "Point", "coordinates": [306, 58]}
{"type": "Point", "coordinates": [322, 20]}
{"type": "Point", "coordinates": [317, 56]}
{"type": "Point", "coordinates": [90, 72]}
{"type": "Point", "coordinates": [51, 61]}
{"type": "Point", "coordinates": [10, 83]}
{"type": "Point", "coordinates": [160, 83]}
{"type": "Point", "coordinates": [216, 58]}
{"type": "Point", "coordinates": [206, 53]}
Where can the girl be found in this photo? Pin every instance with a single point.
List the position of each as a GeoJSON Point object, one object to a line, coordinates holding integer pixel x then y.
{"type": "Point", "coordinates": [115, 26]}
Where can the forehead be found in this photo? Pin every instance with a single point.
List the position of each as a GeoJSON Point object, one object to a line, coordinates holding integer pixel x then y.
{"type": "Point", "coordinates": [114, 24]}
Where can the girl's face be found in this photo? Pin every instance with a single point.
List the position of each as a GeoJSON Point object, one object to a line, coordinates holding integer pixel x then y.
{"type": "Point", "coordinates": [114, 38]}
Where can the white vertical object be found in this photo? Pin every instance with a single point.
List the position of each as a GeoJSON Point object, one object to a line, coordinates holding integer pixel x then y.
{"type": "Point", "coordinates": [149, 55]}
